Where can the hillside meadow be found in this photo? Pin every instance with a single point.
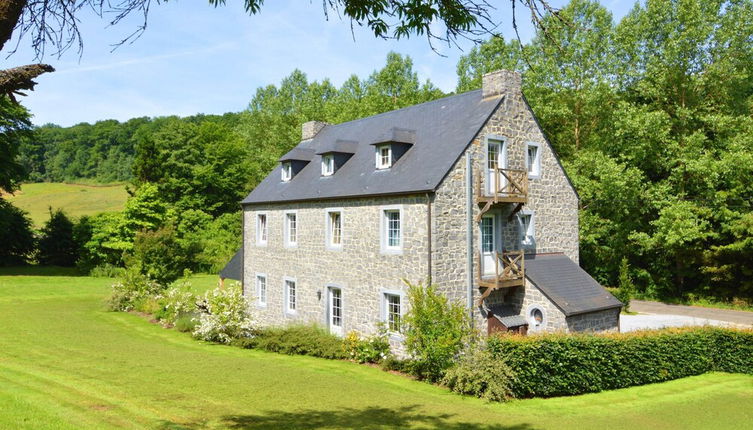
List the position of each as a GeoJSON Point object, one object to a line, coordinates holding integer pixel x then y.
{"type": "Point", "coordinates": [75, 199]}
{"type": "Point", "coordinates": [67, 363]}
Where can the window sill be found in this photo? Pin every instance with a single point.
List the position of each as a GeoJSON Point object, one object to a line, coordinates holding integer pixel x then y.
{"type": "Point", "coordinates": [392, 251]}
{"type": "Point", "coordinates": [338, 248]}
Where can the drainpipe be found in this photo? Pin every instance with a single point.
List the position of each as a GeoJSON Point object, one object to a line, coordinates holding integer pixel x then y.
{"type": "Point", "coordinates": [243, 251]}
{"type": "Point", "coordinates": [428, 229]}
{"type": "Point", "coordinates": [469, 230]}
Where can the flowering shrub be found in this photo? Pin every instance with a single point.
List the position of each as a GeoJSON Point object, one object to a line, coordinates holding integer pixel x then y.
{"type": "Point", "coordinates": [176, 302]}
{"type": "Point", "coordinates": [372, 349]}
{"type": "Point", "coordinates": [128, 293]}
{"type": "Point", "coordinates": [223, 316]}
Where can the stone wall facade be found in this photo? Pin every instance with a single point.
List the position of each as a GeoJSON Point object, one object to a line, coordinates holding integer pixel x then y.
{"type": "Point", "coordinates": [551, 199]}
{"type": "Point", "coordinates": [600, 321]}
{"type": "Point", "coordinates": [360, 269]}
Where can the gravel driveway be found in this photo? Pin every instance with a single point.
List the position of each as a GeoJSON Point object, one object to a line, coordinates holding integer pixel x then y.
{"type": "Point", "coordinates": [653, 315]}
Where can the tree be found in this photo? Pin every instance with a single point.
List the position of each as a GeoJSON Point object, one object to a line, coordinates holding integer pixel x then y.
{"type": "Point", "coordinates": [15, 128]}
{"type": "Point", "coordinates": [57, 246]}
{"type": "Point", "coordinates": [15, 235]}
{"type": "Point", "coordinates": [158, 255]}
{"type": "Point", "coordinates": [55, 23]}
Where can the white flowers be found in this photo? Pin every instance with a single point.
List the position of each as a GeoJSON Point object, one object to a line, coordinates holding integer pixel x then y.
{"type": "Point", "coordinates": [224, 316]}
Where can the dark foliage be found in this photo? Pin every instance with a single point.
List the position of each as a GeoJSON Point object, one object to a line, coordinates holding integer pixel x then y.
{"type": "Point", "coordinates": [158, 255]}
{"type": "Point", "coordinates": [16, 236]}
{"type": "Point", "coordinates": [296, 340]}
{"type": "Point", "coordinates": [57, 244]}
{"type": "Point", "coordinates": [560, 365]}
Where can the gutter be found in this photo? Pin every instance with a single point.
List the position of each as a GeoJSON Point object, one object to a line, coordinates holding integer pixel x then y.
{"type": "Point", "coordinates": [469, 231]}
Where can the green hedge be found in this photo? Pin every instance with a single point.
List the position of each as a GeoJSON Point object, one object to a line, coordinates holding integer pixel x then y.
{"type": "Point", "coordinates": [567, 364]}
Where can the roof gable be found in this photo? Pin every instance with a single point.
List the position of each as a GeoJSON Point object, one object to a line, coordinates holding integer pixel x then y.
{"type": "Point", "coordinates": [441, 129]}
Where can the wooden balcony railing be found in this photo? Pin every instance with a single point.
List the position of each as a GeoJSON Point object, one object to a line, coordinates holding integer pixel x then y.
{"type": "Point", "coordinates": [503, 185]}
{"type": "Point", "coordinates": [509, 271]}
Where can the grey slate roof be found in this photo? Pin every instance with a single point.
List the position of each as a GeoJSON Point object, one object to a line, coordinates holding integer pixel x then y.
{"type": "Point", "coordinates": [507, 316]}
{"type": "Point", "coordinates": [232, 269]}
{"type": "Point", "coordinates": [442, 129]}
{"type": "Point", "coordinates": [567, 285]}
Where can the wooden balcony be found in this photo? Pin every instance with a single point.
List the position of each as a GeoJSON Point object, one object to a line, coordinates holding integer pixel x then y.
{"type": "Point", "coordinates": [508, 272]}
{"type": "Point", "coordinates": [505, 186]}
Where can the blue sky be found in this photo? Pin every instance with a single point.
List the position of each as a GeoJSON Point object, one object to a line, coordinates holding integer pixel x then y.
{"type": "Point", "coordinates": [197, 59]}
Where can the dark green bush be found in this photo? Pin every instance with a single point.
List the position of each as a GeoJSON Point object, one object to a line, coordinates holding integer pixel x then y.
{"type": "Point", "coordinates": [186, 323]}
{"type": "Point", "coordinates": [299, 340]}
{"type": "Point", "coordinates": [56, 245]}
{"type": "Point", "coordinates": [392, 363]}
{"type": "Point", "coordinates": [158, 255]}
{"type": "Point", "coordinates": [558, 364]}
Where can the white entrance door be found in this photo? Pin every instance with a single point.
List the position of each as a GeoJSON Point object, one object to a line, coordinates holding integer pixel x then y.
{"type": "Point", "coordinates": [335, 311]}
{"type": "Point", "coordinates": [495, 159]}
{"type": "Point", "coordinates": [488, 259]}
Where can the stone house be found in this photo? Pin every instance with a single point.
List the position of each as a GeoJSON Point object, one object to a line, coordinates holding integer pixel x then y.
{"type": "Point", "coordinates": [464, 191]}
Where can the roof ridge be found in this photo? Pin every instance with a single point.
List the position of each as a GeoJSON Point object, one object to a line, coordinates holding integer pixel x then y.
{"type": "Point", "coordinates": [465, 94]}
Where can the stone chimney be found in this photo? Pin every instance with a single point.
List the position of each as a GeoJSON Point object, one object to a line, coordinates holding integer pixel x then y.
{"type": "Point", "coordinates": [310, 129]}
{"type": "Point", "coordinates": [498, 83]}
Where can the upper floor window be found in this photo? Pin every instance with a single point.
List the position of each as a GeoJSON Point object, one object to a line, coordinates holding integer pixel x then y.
{"type": "Point", "coordinates": [291, 229]}
{"type": "Point", "coordinates": [533, 159]}
{"type": "Point", "coordinates": [492, 154]}
{"type": "Point", "coordinates": [287, 171]}
{"type": "Point", "coordinates": [328, 165]}
{"type": "Point", "coordinates": [334, 229]}
{"type": "Point", "coordinates": [261, 229]}
{"type": "Point", "coordinates": [526, 228]}
{"type": "Point", "coordinates": [392, 230]}
{"type": "Point", "coordinates": [383, 157]}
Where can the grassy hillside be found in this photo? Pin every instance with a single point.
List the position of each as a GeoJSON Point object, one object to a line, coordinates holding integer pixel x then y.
{"type": "Point", "coordinates": [66, 363]}
{"type": "Point", "coordinates": [74, 199]}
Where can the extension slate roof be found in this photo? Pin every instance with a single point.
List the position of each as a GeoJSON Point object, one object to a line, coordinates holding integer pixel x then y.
{"type": "Point", "coordinates": [567, 285]}
{"type": "Point", "coordinates": [232, 269]}
{"type": "Point", "coordinates": [440, 131]}
{"type": "Point", "coordinates": [507, 315]}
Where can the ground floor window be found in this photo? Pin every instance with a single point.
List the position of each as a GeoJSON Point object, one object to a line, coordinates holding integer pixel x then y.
{"type": "Point", "coordinates": [393, 312]}
{"type": "Point", "coordinates": [336, 310]}
{"type": "Point", "coordinates": [290, 296]}
{"type": "Point", "coordinates": [261, 289]}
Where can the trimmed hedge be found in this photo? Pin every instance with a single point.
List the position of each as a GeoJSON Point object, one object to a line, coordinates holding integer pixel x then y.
{"type": "Point", "coordinates": [570, 364]}
{"type": "Point", "coordinates": [296, 340]}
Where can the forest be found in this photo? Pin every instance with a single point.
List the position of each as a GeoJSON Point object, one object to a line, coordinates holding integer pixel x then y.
{"type": "Point", "coordinates": [650, 115]}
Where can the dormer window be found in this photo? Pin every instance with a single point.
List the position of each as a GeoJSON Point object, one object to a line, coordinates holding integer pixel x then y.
{"type": "Point", "coordinates": [328, 165]}
{"type": "Point", "coordinates": [383, 156]}
{"type": "Point", "coordinates": [287, 171]}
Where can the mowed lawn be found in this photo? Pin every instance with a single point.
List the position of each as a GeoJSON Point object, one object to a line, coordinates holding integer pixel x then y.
{"type": "Point", "coordinates": [74, 199]}
{"type": "Point", "coordinates": [67, 363]}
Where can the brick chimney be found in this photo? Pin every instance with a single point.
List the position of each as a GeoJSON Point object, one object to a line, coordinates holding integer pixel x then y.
{"type": "Point", "coordinates": [498, 83]}
{"type": "Point", "coordinates": [310, 129]}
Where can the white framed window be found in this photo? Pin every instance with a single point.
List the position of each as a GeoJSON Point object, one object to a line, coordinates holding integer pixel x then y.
{"type": "Point", "coordinates": [527, 228]}
{"type": "Point", "coordinates": [291, 298]}
{"type": "Point", "coordinates": [334, 233]}
{"type": "Point", "coordinates": [392, 310]}
{"type": "Point", "coordinates": [392, 230]}
{"type": "Point", "coordinates": [287, 171]}
{"type": "Point", "coordinates": [291, 229]}
{"type": "Point", "coordinates": [328, 165]}
{"type": "Point", "coordinates": [383, 156]}
{"type": "Point", "coordinates": [261, 229]}
{"type": "Point", "coordinates": [261, 289]}
{"type": "Point", "coordinates": [533, 159]}
{"type": "Point", "coordinates": [536, 317]}
{"type": "Point", "coordinates": [335, 310]}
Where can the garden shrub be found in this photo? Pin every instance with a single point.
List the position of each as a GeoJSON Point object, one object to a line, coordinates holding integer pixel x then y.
{"type": "Point", "coordinates": [569, 364]}
{"type": "Point", "coordinates": [158, 254]}
{"type": "Point", "coordinates": [435, 329]}
{"type": "Point", "coordinates": [186, 323]}
{"type": "Point", "coordinates": [176, 302]}
{"type": "Point", "coordinates": [131, 291]}
{"type": "Point", "coordinates": [481, 374]}
{"type": "Point", "coordinates": [223, 315]}
{"type": "Point", "coordinates": [392, 363]}
{"type": "Point", "coordinates": [56, 245]}
{"type": "Point", "coordinates": [626, 291]}
{"type": "Point", "coordinates": [371, 349]}
{"type": "Point", "coordinates": [298, 339]}
{"type": "Point", "coordinates": [106, 270]}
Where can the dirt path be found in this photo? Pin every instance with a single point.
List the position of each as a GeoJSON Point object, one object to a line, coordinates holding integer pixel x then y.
{"type": "Point", "coordinates": [727, 315]}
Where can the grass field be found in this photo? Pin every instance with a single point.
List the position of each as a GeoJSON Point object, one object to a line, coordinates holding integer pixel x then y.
{"type": "Point", "coordinates": [75, 200]}
{"type": "Point", "coordinates": [66, 363]}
